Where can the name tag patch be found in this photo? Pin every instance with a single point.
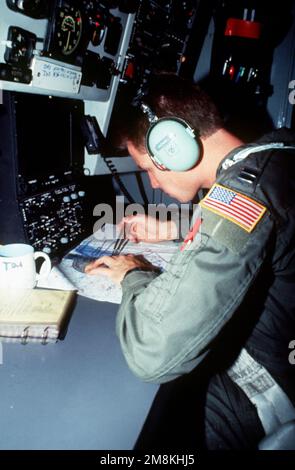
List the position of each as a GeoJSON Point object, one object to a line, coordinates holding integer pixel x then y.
{"type": "Point", "coordinates": [234, 206]}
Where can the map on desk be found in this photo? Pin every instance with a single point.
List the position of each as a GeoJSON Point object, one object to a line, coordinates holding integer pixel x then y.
{"type": "Point", "coordinates": [70, 275]}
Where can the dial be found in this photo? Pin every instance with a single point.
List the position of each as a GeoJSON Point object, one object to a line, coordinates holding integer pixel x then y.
{"type": "Point", "coordinates": [96, 17]}
{"type": "Point", "coordinates": [65, 33]}
{"type": "Point", "coordinates": [68, 30]}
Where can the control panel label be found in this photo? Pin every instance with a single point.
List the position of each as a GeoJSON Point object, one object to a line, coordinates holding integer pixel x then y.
{"type": "Point", "coordinates": [51, 75]}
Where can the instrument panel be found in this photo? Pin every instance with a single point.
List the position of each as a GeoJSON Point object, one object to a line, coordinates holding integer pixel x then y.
{"type": "Point", "coordinates": [159, 39]}
{"type": "Point", "coordinates": [70, 48]}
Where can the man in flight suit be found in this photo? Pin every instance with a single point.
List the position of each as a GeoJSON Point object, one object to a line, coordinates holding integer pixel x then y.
{"type": "Point", "coordinates": [222, 317]}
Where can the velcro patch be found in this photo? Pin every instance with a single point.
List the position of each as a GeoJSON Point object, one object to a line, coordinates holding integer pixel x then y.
{"type": "Point", "coordinates": [234, 206]}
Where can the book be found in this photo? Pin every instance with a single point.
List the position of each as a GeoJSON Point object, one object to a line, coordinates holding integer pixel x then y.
{"type": "Point", "coordinates": [37, 315]}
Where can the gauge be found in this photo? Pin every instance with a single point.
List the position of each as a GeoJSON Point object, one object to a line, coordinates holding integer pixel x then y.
{"type": "Point", "coordinates": [97, 25]}
{"type": "Point", "coordinates": [68, 31]}
{"type": "Point", "coordinates": [20, 51]}
{"type": "Point", "coordinates": [65, 33]}
{"type": "Point", "coordinates": [96, 16]}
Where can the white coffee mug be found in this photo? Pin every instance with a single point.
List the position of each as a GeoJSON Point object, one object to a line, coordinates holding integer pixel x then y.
{"type": "Point", "coordinates": [18, 267]}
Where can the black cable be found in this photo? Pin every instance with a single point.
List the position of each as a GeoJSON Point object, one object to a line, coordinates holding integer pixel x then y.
{"type": "Point", "coordinates": [142, 189]}
{"type": "Point", "coordinates": [114, 172]}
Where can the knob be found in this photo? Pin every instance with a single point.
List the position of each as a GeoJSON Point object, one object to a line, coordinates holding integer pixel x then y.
{"type": "Point", "coordinates": [64, 240]}
{"type": "Point", "coordinates": [74, 196]}
{"type": "Point", "coordinates": [47, 249]}
{"type": "Point", "coordinates": [81, 193]}
{"type": "Point", "coordinates": [66, 199]}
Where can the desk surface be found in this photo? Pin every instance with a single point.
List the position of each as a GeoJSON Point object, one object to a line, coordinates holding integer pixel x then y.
{"type": "Point", "coordinates": [75, 394]}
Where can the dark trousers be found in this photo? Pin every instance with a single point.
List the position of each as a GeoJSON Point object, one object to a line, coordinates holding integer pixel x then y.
{"type": "Point", "coordinates": [186, 415]}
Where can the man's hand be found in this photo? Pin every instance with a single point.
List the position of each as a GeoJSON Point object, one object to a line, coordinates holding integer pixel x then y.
{"type": "Point", "coordinates": [148, 229]}
{"type": "Point", "coordinates": [115, 267]}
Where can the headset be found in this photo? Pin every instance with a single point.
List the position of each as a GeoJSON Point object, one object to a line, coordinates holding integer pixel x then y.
{"type": "Point", "coordinates": [171, 142]}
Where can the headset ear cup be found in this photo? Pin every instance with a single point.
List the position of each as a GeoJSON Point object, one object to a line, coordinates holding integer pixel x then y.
{"type": "Point", "coordinates": [173, 145]}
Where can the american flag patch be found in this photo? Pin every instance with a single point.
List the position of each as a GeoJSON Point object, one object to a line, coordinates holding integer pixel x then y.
{"type": "Point", "coordinates": [234, 206]}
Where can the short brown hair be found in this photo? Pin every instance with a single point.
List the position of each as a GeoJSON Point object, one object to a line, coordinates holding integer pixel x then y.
{"type": "Point", "coordinates": [168, 95]}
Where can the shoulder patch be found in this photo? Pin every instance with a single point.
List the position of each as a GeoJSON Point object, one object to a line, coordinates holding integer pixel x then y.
{"type": "Point", "coordinates": [231, 205]}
